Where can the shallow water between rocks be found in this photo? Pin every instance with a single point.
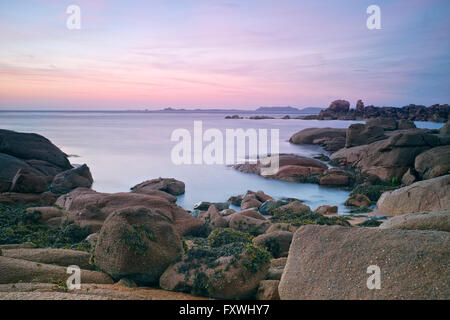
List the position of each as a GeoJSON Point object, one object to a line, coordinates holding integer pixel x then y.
{"type": "Point", "coordinates": [123, 149]}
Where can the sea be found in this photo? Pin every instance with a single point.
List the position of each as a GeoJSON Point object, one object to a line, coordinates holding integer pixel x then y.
{"type": "Point", "coordinates": [123, 149]}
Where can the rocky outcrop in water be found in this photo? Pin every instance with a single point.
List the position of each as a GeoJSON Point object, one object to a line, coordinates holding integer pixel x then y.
{"type": "Point", "coordinates": [391, 157]}
{"type": "Point", "coordinates": [331, 139]}
{"type": "Point", "coordinates": [338, 110]}
{"type": "Point", "coordinates": [169, 185]}
{"type": "Point", "coordinates": [339, 106]}
{"type": "Point", "coordinates": [291, 168]}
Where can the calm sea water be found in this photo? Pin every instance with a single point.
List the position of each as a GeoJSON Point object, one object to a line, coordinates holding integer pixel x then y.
{"type": "Point", "coordinates": [123, 149]}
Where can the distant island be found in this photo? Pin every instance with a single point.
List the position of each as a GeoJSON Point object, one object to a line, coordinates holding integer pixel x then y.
{"type": "Point", "coordinates": [309, 110]}
{"type": "Point", "coordinates": [266, 110]}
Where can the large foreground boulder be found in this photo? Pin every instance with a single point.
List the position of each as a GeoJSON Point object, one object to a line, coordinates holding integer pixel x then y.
{"type": "Point", "coordinates": [438, 221]}
{"type": "Point", "coordinates": [427, 195]}
{"type": "Point", "coordinates": [87, 205]}
{"type": "Point", "coordinates": [229, 267]}
{"type": "Point", "coordinates": [331, 262]}
{"type": "Point", "coordinates": [230, 278]}
{"type": "Point", "coordinates": [137, 243]}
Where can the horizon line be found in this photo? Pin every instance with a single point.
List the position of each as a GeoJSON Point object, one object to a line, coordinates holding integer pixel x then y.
{"type": "Point", "coordinates": [172, 109]}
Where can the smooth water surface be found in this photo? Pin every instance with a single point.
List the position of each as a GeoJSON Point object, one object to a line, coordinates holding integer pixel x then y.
{"type": "Point", "coordinates": [123, 149]}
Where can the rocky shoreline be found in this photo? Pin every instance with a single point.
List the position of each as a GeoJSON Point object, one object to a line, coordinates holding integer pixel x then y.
{"type": "Point", "coordinates": [141, 244]}
{"type": "Point", "coordinates": [340, 110]}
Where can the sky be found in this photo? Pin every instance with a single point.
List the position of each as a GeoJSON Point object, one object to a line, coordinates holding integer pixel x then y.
{"type": "Point", "coordinates": [239, 54]}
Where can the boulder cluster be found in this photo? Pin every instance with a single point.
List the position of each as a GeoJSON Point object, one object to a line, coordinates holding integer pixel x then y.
{"type": "Point", "coordinates": [294, 168]}
{"type": "Point", "coordinates": [142, 245]}
{"type": "Point", "coordinates": [404, 154]}
{"type": "Point", "coordinates": [385, 148]}
{"type": "Point", "coordinates": [340, 110]}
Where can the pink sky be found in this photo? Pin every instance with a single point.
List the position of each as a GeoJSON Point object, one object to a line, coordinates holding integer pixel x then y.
{"type": "Point", "coordinates": [221, 54]}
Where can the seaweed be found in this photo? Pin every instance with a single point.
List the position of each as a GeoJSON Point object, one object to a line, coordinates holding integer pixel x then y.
{"type": "Point", "coordinates": [136, 238]}
{"type": "Point", "coordinates": [223, 236]}
{"type": "Point", "coordinates": [222, 242]}
{"type": "Point", "coordinates": [256, 257]}
{"type": "Point", "coordinates": [273, 246]}
{"type": "Point", "coordinates": [370, 223]}
{"type": "Point", "coordinates": [300, 219]}
{"type": "Point", "coordinates": [201, 285]}
{"type": "Point", "coordinates": [373, 192]}
{"type": "Point", "coordinates": [18, 226]}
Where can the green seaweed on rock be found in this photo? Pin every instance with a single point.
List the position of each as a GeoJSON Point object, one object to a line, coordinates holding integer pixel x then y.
{"type": "Point", "coordinates": [136, 238]}
{"type": "Point", "coordinates": [18, 226]}
{"type": "Point", "coordinates": [373, 192]}
{"type": "Point", "coordinates": [370, 223]}
{"type": "Point", "coordinates": [224, 242]}
{"type": "Point", "coordinates": [256, 257]}
{"type": "Point", "coordinates": [223, 236]}
{"type": "Point", "coordinates": [300, 219]}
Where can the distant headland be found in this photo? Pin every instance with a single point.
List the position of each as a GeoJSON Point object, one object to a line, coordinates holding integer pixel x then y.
{"type": "Point", "coordinates": [340, 110]}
